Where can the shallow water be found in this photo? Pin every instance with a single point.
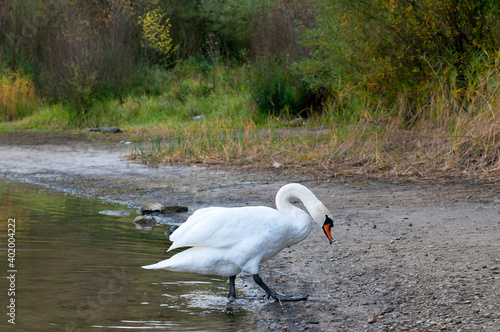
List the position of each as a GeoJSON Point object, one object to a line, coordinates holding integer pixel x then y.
{"type": "Point", "coordinates": [79, 270]}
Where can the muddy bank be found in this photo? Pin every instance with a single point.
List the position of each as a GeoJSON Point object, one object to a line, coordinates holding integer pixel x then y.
{"type": "Point", "coordinates": [420, 257]}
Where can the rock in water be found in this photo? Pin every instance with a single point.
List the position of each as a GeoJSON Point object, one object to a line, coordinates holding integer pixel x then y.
{"type": "Point", "coordinates": [174, 209]}
{"type": "Point", "coordinates": [151, 207]}
{"type": "Point", "coordinates": [115, 213]}
{"type": "Point", "coordinates": [158, 207]}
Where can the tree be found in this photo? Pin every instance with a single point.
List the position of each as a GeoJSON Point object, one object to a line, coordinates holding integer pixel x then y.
{"type": "Point", "coordinates": [390, 48]}
{"type": "Point", "coordinates": [156, 34]}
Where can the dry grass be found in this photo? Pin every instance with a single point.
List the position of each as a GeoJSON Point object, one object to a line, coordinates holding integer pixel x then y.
{"type": "Point", "coordinates": [17, 97]}
{"type": "Point", "coordinates": [462, 147]}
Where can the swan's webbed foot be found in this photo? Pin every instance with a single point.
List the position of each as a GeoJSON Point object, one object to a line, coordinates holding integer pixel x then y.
{"type": "Point", "coordinates": [273, 294]}
{"type": "Point", "coordinates": [269, 292]}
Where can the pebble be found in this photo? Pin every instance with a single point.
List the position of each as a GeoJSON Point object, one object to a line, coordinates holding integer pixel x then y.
{"type": "Point", "coordinates": [372, 319]}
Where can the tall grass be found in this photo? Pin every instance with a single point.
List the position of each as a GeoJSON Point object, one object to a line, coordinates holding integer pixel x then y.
{"type": "Point", "coordinates": [17, 97]}
{"type": "Point", "coordinates": [220, 142]}
{"type": "Point", "coordinates": [167, 97]}
{"type": "Point", "coordinates": [467, 146]}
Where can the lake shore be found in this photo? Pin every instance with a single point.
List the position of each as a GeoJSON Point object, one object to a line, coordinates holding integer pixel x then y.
{"type": "Point", "coordinates": [415, 256]}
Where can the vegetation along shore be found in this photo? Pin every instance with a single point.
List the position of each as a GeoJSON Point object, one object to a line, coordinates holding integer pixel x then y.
{"type": "Point", "coordinates": [393, 90]}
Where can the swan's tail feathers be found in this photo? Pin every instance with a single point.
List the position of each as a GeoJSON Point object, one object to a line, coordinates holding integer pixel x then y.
{"type": "Point", "coordinates": [157, 266]}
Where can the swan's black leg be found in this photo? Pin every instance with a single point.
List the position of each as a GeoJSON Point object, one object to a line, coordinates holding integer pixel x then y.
{"type": "Point", "coordinates": [275, 295]}
{"type": "Point", "coordinates": [232, 289]}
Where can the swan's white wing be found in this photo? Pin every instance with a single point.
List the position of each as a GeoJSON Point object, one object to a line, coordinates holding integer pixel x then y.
{"type": "Point", "coordinates": [219, 227]}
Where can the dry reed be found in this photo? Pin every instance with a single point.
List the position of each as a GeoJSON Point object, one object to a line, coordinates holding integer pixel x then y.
{"type": "Point", "coordinates": [17, 97]}
{"type": "Point", "coordinates": [467, 146]}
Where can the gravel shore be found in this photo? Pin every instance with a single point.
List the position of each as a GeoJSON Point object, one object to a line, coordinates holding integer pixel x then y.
{"type": "Point", "coordinates": [416, 257]}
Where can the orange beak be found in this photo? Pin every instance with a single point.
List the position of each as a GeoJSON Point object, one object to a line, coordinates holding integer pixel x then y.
{"type": "Point", "coordinates": [327, 228]}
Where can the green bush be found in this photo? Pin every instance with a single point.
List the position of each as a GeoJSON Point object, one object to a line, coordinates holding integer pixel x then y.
{"type": "Point", "coordinates": [397, 50]}
{"type": "Point", "coordinates": [277, 89]}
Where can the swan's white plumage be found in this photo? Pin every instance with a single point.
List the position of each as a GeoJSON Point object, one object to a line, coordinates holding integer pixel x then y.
{"type": "Point", "coordinates": [227, 241]}
{"type": "Point", "coordinates": [226, 227]}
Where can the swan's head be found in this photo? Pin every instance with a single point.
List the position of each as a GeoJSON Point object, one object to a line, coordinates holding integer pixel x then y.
{"type": "Point", "coordinates": [324, 218]}
{"type": "Point", "coordinates": [316, 209]}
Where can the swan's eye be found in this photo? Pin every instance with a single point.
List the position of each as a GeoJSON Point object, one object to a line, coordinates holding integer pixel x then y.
{"type": "Point", "coordinates": [328, 221]}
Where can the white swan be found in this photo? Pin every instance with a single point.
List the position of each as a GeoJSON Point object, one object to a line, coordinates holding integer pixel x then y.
{"type": "Point", "coordinates": [227, 241]}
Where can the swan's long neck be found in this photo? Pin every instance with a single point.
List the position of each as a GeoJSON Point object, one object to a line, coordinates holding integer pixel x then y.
{"type": "Point", "coordinates": [299, 217]}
